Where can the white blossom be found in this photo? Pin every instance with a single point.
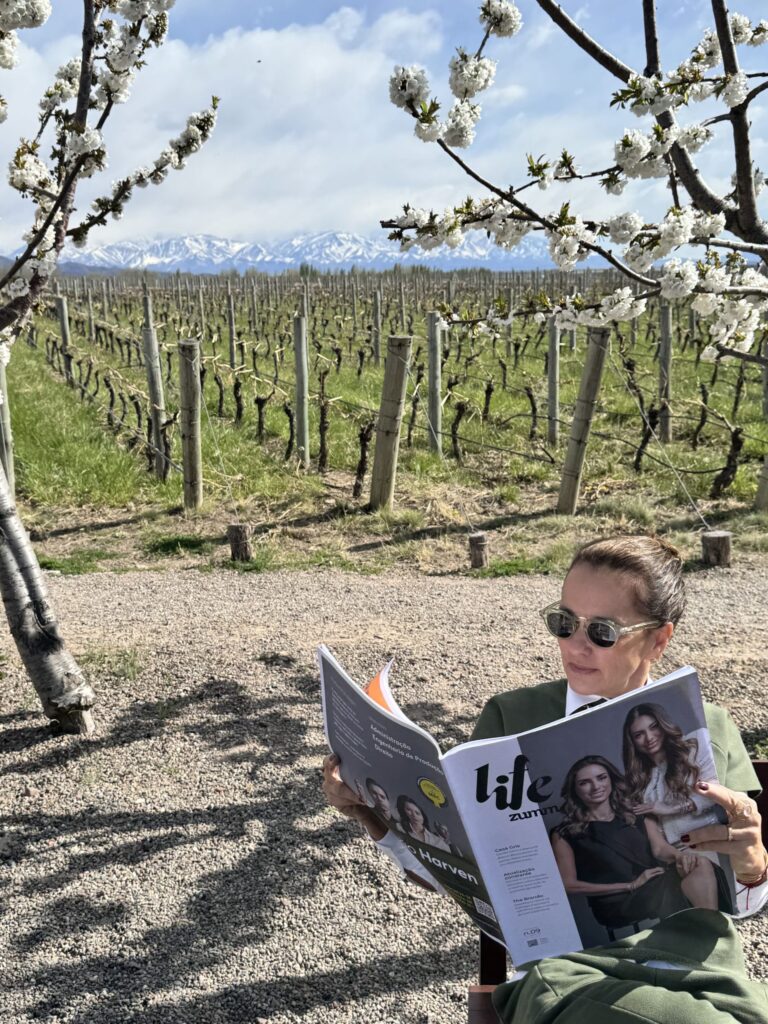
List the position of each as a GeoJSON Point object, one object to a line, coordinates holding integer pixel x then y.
{"type": "Point", "coordinates": [707, 225]}
{"type": "Point", "coordinates": [707, 54]}
{"type": "Point", "coordinates": [8, 56]}
{"type": "Point", "coordinates": [759, 33]}
{"type": "Point", "coordinates": [714, 279]}
{"type": "Point", "coordinates": [3, 110]}
{"type": "Point", "coordinates": [678, 279]}
{"type": "Point", "coordinates": [741, 28]}
{"type": "Point", "coordinates": [630, 149]}
{"type": "Point", "coordinates": [675, 230]}
{"type": "Point", "coordinates": [705, 304]}
{"type": "Point", "coordinates": [470, 75]}
{"type": "Point", "coordinates": [565, 243]}
{"type": "Point", "coordinates": [694, 136]}
{"type": "Point", "coordinates": [408, 86]}
{"type": "Point", "coordinates": [428, 132]}
{"type": "Point", "coordinates": [736, 89]}
{"type": "Point", "coordinates": [23, 14]}
{"type": "Point", "coordinates": [460, 124]}
{"type": "Point", "coordinates": [624, 227]}
{"type": "Point", "coordinates": [501, 17]}
{"type": "Point", "coordinates": [639, 257]}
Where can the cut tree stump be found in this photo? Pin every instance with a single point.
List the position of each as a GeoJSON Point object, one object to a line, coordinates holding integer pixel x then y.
{"type": "Point", "coordinates": [478, 550]}
{"type": "Point", "coordinates": [239, 536]}
{"type": "Point", "coordinates": [716, 547]}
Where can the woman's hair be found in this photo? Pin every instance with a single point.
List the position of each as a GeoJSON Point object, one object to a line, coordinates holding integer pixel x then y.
{"type": "Point", "coordinates": [652, 567]}
{"type": "Point", "coordinates": [402, 800]}
{"type": "Point", "coordinates": [682, 772]}
{"type": "Point", "coordinates": [575, 814]}
{"type": "Point", "coordinates": [372, 782]}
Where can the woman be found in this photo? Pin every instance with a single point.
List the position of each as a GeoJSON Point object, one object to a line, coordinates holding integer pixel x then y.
{"type": "Point", "coordinates": [620, 602]}
{"type": "Point", "coordinates": [619, 861]}
{"type": "Point", "coordinates": [662, 768]}
{"type": "Point", "coordinates": [415, 823]}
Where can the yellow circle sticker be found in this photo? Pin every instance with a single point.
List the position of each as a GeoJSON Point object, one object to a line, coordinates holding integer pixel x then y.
{"type": "Point", "coordinates": [432, 792]}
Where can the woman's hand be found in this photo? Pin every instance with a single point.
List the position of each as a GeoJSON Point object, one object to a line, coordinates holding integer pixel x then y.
{"type": "Point", "coordinates": [346, 801]}
{"type": "Point", "coordinates": [740, 839]}
{"type": "Point", "coordinates": [646, 876]}
{"type": "Point", "coordinates": [686, 863]}
{"type": "Point", "coordinates": [660, 809]}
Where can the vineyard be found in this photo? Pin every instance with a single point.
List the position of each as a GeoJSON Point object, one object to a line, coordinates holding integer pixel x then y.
{"type": "Point", "coordinates": [675, 443]}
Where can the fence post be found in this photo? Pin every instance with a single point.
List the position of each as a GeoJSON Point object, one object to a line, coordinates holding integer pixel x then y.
{"type": "Point", "coordinates": [302, 389]}
{"type": "Point", "coordinates": [553, 384]}
{"type": "Point", "coordinates": [598, 340]}
{"type": "Point", "coordinates": [665, 372]}
{"type": "Point", "coordinates": [189, 407]}
{"type": "Point", "coordinates": [66, 340]}
{"type": "Point", "coordinates": [231, 324]}
{"type": "Point", "coordinates": [376, 327]}
{"type": "Point", "coordinates": [435, 409]}
{"type": "Point", "coordinates": [761, 502]}
{"type": "Point", "coordinates": [91, 321]}
{"type": "Point", "coordinates": [154, 385]}
{"type": "Point", "coordinates": [388, 422]}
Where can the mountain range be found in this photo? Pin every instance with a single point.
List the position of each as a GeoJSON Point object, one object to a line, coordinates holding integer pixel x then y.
{"type": "Point", "coordinates": [329, 250]}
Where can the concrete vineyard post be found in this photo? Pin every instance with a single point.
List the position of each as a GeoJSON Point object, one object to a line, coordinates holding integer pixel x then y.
{"type": "Point", "coordinates": [154, 385]}
{"type": "Point", "coordinates": [435, 409]}
{"type": "Point", "coordinates": [665, 372]}
{"type": "Point", "coordinates": [553, 384]}
{"type": "Point", "coordinates": [91, 321]}
{"type": "Point", "coordinates": [598, 339]}
{"type": "Point", "coordinates": [66, 340]}
{"type": "Point", "coordinates": [189, 408]}
{"type": "Point", "coordinates": [302, 389]}
{"type": "Point", "coordinates": [388, 422]}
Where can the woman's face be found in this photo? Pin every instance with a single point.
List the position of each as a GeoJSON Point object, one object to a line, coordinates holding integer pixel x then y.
{"type": "Point", "coordinates": [647, 735]}
{"type": "Point", "coordinates": [592, 785]}
{"type": "Point", "coordinates": [607, 671]}
{"type": "Point", "coordinates": [414, 816]}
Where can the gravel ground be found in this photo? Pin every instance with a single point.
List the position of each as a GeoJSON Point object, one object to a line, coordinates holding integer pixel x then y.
{"type": "Point", "coordinates": [181, 865]}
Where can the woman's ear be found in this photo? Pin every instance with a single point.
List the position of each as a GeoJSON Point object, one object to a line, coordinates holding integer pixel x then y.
{"type": "Point", "coordinates": [661, 638]}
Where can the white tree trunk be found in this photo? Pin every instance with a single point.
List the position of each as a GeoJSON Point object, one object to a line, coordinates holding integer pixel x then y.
{"type": "Point", "coordinates": [65, 694]}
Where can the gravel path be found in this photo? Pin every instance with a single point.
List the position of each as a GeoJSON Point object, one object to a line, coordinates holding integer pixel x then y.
{"type": "Point", "coordinates": [181, 866]}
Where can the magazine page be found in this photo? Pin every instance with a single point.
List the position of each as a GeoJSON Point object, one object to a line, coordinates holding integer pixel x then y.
{"type": "Point", "coordinates": [581, 820]}
{"type": "Point", "coordinates": [395, 767]}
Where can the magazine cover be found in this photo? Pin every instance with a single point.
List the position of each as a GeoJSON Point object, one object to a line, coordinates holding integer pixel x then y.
{"type": "Point", "coordinates": [582, 820]}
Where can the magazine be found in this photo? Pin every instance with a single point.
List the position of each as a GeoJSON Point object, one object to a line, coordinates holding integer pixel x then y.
{"type": "Point", "coordinates": [553, 840]}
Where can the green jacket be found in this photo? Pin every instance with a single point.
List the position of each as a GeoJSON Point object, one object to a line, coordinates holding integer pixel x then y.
{"type": "Point", "coordinates": [528, 708]}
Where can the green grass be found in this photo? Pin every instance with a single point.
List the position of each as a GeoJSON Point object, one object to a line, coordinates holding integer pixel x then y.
{"type": "Point", "coordinates": [79, 562]}
{"type": "Point", "coordinates": [122, 663]}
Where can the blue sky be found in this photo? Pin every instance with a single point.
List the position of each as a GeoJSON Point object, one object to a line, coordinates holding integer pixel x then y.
{"type": "Point", "coordinates": [307, 139]}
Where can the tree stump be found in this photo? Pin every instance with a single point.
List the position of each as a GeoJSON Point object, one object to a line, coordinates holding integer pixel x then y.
{"type": "Point", "coordinates": [478, 550]}
{"type": "Point", "coordinates": [716, 547]}
{"type": "Point", "coordinates": [239, 537]}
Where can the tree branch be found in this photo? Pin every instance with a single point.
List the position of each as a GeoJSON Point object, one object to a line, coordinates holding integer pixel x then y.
{"type": "Point", "coordinates": [597, 52]}
{"type": "Point", "coordinates": [749, 219]}
{"type": "Point", "coordinates": [652, 57]}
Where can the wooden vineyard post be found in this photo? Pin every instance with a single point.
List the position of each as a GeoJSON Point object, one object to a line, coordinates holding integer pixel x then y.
{"type": "Point", "coordinates": [435, 409]}
{"type": "Point", "coordinates": [478, 550]}
{"type": "Point", "coordinates": [302, 389]}
{"type": "Point", "coordinates": [761, 502]}
{"type": "Point", "coordinates": [240, 547]}
{"type": "Point", "coordinates": [598, 339]}
{"type": "Point", "coordinates": [388, 423]}
{"type": "Point", "coordinates": [66, 340]}
{"type": "Point", "coordinates": [231, 325]}
{"type": "Point", "coordinates": [716, 547]}
{"type": "Point", "coordinates": [91, 321]}
{"type": "Point", "coordinates": [553, 384]}
{"type": "Point", "coordinates": [189, 408]}
{"type": "Point", "coordinates": [155, 386]}
{"type": "Point", "coordinates": [376, 327]}
{"type": "Point", "coordinates": [665, 373]}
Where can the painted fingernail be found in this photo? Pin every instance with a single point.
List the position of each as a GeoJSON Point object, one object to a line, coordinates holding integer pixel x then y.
{"type": "Point", "coordinates": [685, 839]}
{"type": "Point", "coordinates": [704, 786]}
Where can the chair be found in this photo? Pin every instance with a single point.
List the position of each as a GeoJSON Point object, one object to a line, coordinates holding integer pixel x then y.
{"type": "Point", "coordinates": [493, 956]}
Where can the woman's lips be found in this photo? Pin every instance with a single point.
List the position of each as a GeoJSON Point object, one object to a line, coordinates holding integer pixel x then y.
{"type": "Point", "coordinates": [583, 669]}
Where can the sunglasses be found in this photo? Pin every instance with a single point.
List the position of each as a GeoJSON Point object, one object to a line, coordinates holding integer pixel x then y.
{"type": "Point", "coordinates": [600, 632]}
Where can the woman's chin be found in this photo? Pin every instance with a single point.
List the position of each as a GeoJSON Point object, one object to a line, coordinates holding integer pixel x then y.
{"type": "Point", "coordinates": [582, 679]}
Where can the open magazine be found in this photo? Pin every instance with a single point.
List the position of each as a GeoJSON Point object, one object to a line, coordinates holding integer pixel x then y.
{"type": "Point", "coordinates": [557, 839]}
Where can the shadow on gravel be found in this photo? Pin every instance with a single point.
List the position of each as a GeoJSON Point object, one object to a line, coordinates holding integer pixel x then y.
{"type": "Point", "coordinates": [104, 953]}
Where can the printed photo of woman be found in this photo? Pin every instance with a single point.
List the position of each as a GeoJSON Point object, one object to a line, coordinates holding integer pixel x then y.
{"type": "Point", "coordinates": [618, 859]}
{"type": "Point", "coordinates": [414, 822]}
{"type": "Point", "coordinates": [662, 767]}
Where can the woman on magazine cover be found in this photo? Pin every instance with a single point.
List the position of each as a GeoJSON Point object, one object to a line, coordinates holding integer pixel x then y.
{"type": "Point", "coordinates": [619, 860]}
{"type": "Point", "coordinates": [415, 823]}
{"type": "Point", "coordinates": [620, 602]}
{"type": "Point", "coordinates": [662, 767]}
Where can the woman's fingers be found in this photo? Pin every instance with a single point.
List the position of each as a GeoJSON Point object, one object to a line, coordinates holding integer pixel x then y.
{"type": "Point", "coordinates": [740, 839]}
{"type": "Point", "coordinates": [337, 792]}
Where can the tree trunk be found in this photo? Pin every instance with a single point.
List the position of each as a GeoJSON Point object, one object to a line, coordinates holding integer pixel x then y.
{"type": "Point", "coordinates": [65, 694]}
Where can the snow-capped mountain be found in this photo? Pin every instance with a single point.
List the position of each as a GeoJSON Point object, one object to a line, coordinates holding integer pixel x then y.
{"type": "Point", "coordinates": [329, 250]}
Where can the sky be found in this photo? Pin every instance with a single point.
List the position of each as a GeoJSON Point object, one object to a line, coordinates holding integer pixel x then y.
{"type": "Point", "coordinates": [307, 139]}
